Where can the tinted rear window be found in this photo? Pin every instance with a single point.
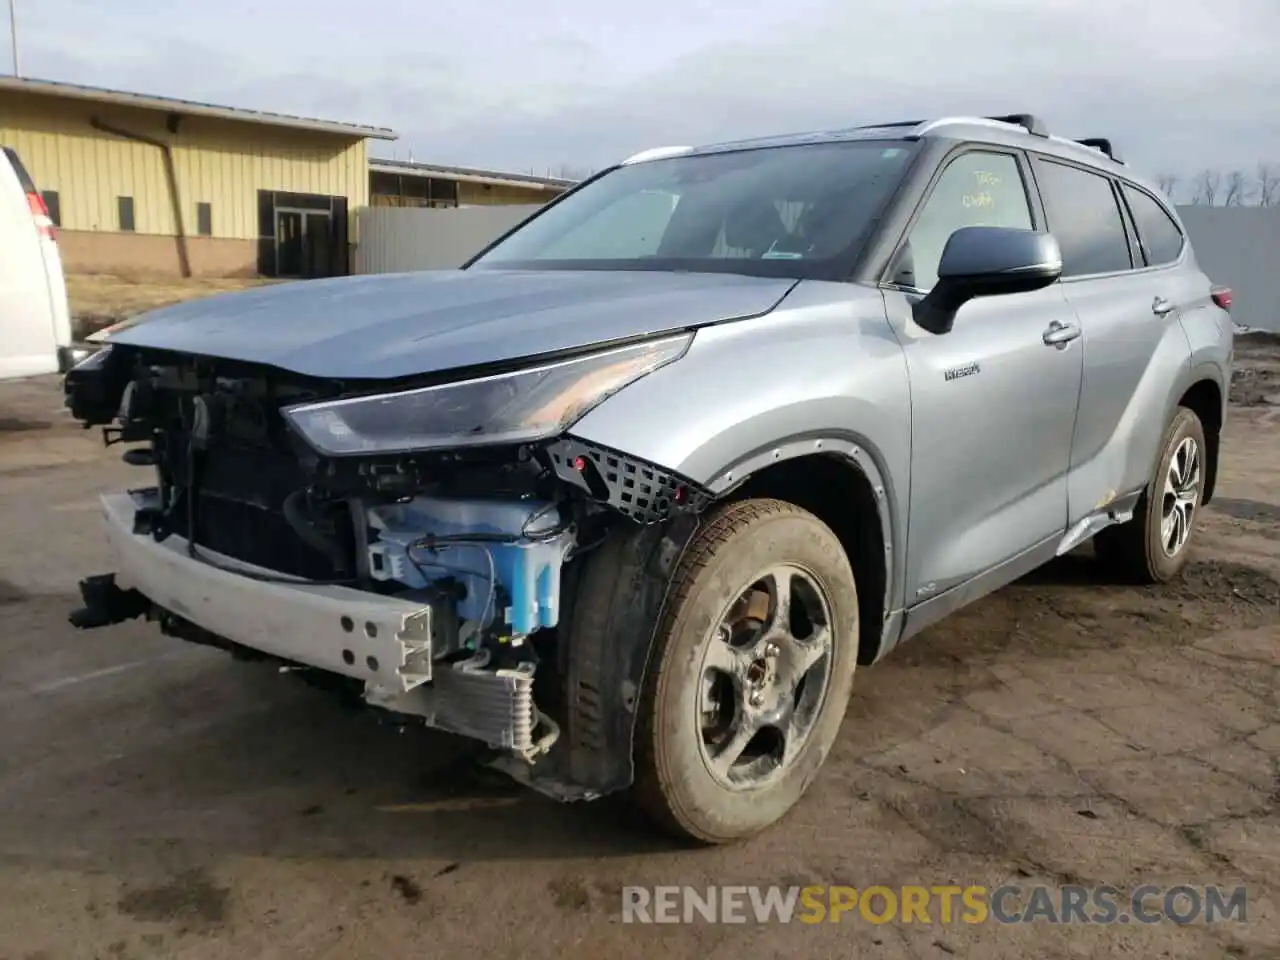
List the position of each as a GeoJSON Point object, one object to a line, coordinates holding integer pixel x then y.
{"type": "Point", "coordinates": [53, 203]}
{"type": "Point", "coordinates": [1158, 234]}
{"type": "Point", "coordinates": [24, 178]}
{"type": "Point", "coordinates": [1084, 217]}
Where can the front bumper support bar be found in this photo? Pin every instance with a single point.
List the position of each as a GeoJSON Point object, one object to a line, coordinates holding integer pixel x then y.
{"type": "Point", "coordinates": [384, 641]}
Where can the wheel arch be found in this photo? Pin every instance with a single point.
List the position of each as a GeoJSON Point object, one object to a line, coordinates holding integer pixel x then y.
{"type": "Point", "coordinates": [607, 643]}
{"type": "Point", "coordinates": [1205, 398]}
{"type": "Point", "coordinates": [841, 481]}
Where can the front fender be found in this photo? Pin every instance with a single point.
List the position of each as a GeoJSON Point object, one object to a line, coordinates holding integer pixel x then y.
{"type": "Point", "coordinates": [822, 373]}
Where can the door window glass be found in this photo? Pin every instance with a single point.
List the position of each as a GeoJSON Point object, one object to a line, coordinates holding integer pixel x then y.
{"type": "Point", "coordinates": [1084, 217]}
{"type": "Point", "coordinates": [977, 189]}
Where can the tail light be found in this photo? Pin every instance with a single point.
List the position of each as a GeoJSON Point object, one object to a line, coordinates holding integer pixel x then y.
{"type": "Point", "coordinates": [40, 214]}
{"type": "Point", "coordinates": [1222, 297]}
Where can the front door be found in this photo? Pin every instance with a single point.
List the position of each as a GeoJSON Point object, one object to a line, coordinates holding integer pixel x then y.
{"type": "Point", "coordinates": [317, 248]}
{"type": "Point", "coordinates": [289, 243]}
{"type": "Point", "coordinates": [304, 243]}
{"type": "Point", "coordinates": [993, 401]}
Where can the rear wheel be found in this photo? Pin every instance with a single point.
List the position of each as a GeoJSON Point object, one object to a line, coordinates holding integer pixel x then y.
{"type": "Point", "coordinates": [1154, 546]}
{"type": "Point", "coordinates": [750, 674]}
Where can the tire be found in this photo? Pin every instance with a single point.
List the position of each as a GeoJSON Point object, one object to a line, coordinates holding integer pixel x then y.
{"type": "Point", "coordinates": [1138, 551]}
{"type": "Point", "coordinates": [686, 698]}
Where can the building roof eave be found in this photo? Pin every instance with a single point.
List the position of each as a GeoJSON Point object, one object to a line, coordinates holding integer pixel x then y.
{"type": "Point", "coordinates": [173, 105]}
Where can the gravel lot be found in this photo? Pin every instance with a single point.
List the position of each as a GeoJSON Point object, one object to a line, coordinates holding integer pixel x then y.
{"type": "Point", "coordinates": [159, 800]}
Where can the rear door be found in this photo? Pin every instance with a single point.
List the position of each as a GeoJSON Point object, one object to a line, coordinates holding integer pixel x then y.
{"type": "Point", "coordinates": [993, 403]}
{"type": "Point", "coordinates": [1163, 247]}
{"type": "Point", "coordinates": [34, 320]}
{"type": "Point", "coordinates": [1133, 342]}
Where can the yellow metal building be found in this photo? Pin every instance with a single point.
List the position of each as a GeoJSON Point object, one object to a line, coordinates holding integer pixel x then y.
{"type": "Point", "coordinates": [405, 183]}
{"type": "Point", "coordinates": [146, 184]}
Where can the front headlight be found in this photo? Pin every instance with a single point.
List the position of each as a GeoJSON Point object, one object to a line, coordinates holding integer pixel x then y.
{"type": "Point", "coordinates": [529, 404]}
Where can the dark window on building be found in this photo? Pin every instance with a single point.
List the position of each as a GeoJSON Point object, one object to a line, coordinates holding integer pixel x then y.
{"type": "Point", "coordinates": [204, 219]}
{"type": "Point", "coordinates": [415, 187]}
{"type": "Point", "coordinates": [977, 189]}
{"type": "Point", "coordinates": [410, 190]}
{"type": "Point", "coordinates": [124, 213]}
{"type": "Point", "coordinates": [1085, 218]}
{"type": "Point", "coordinates": [1157, 231]}
{"type": "Point", "coordinates": [444, 193]}
{"type": "Point", "coordinates": [53, 204]}
{"type": "Point", "coordinates": [302, 235]}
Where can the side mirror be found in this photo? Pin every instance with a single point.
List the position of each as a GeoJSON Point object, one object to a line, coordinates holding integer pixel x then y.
{"type": "Point", "coordinates": [984, 262]}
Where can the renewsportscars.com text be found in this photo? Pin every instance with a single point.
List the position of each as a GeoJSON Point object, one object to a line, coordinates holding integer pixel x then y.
{"type": "Point", "coordinates": [1009, 904]}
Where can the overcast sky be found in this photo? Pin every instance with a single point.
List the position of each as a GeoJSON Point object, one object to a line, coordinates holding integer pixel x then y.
{"type": "Point", "coordinates": [1179, 84]}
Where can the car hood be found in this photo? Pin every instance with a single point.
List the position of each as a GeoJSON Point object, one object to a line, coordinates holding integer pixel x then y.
{"type": "Point", "coordinates": [397, 325]}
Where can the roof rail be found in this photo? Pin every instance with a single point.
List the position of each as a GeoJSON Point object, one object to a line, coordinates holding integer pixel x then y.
{"type": "Point", "coordinates": [656, 153]}
{"type": "Point", "coordinates": [1029, 122]}
{"type": "Point", "coordinates": [895, 123]}
{"type": "Point", "coordinates": [1103, 145]}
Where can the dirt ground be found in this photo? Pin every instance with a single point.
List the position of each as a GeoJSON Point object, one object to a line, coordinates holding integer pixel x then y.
{"type": "Point", "coordinates": [159, 800]}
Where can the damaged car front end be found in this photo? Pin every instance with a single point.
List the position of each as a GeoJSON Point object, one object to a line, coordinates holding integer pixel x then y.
{"type": "Point", "coordinates": [408, 541]}
{"type": "Point", "coordinates": [567, 501]}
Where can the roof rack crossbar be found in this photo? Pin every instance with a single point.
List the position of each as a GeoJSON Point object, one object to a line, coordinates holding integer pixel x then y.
{"type": "Point", "coordinates": [1029, 122]}
{"type": "Point", "coordinates": [1101, 144]}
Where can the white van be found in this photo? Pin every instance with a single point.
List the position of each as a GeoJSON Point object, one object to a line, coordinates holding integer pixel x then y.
{"type": "Point", "coordinates": [35, 320]}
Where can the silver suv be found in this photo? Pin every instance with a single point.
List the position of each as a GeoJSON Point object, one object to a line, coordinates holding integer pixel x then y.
{"type": "Point", "coordinates": [628, 497]}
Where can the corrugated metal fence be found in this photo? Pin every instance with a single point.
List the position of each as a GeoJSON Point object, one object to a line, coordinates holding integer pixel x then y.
{"type": "Point", "coordinates": [1240, 248]}
{"type": "Point", "coordinates": [1236, 246]}
{"type": "Point", "coordinates": [398, 239]}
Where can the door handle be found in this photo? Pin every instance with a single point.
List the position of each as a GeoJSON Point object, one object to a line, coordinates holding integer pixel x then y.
{"type": "Point", "coordinates": [1161, 307]}
{"type": "Point", "coordinates": [1060, 334]}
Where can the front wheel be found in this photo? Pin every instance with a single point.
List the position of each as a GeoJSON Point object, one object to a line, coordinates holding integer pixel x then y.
{"type": "Point", "coordinates": [1153, 547]}
{"type": "Point", "coordinates": [750, 675]}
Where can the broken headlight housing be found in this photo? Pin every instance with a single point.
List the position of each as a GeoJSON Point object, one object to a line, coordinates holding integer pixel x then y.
{"type": "Point", "coordinates": [518, 407]}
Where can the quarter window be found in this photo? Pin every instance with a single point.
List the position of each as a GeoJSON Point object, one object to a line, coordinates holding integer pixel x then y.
{"type": "Point", "coordinates": [1159, 235]}
{"type": "Point", "coordinates": [1085, 219]}
{"type": "Point", "coordinates": [977, 189]}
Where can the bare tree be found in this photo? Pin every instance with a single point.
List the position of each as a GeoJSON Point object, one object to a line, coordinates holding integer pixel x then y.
{"type": "Point", "coordinates": [1236, 189]}
{"type": "Point", "coordinates": [1207, 184]}
{"type": "Point", "coordinates": [1268, 184]}
{"type": "Point", "coordinates": [1168, 183]}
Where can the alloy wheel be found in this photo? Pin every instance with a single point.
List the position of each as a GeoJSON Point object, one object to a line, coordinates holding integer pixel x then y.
{"type": "Point", "coordinates": [765, 674]}
{"type": "Point", "coordinates": [1181, 497]}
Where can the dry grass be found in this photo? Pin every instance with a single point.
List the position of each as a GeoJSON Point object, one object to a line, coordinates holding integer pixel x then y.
{"type": "Point", "coordinates": [98, 300]}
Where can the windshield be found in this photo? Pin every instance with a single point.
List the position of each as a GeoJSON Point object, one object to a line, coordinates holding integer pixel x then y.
{"type": "Point", "coordinates": [793, 211]}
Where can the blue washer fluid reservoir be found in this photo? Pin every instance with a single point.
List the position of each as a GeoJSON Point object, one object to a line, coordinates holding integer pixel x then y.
{"type": "Point", "coordinates": [528, 569]}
